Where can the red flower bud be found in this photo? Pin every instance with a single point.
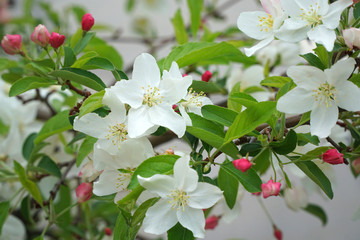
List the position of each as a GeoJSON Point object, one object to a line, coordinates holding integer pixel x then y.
{"type": "Point", "coordinates": [84, 192]}
{"type": "Point", "coordinates": [40, 36]}
{"type": "Point", "coordinates": [277, 233]}
{"type": "Point", "coordinates": [270, 188]}
{"type": "Point", "coordinates": [87, 22]}
{"type": "Point", "coordinates": [56, 40]}
{"type": "Point", "coordinates": [184, 75]}
{"type": "Point", "coordinates": [211, 222]}
{"type": "Point", "coordinates": [107, 231]}
{"type": "Point", "coordinates": [11, 44]}
{"type": "Point", "coordinates": [242, 164]}
{"type": "Point", "coordinates": [356, 165]}
{"type": "Point", "coordinates": [206, 76]}
{"type": "Point", "coordinates": [332, 156]}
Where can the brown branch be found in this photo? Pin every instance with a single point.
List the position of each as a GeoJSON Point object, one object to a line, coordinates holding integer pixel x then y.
{"type": "Point", "coordinates": [84, 92]}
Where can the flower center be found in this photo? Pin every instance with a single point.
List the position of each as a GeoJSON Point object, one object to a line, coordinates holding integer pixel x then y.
{"type": "Point", "coordinates": [311, 15]}
{"type": "Point", "coordinates": [325, 93]}
{"type": "Point", "coordinates": [123, 178]}
{"type": "Point", "coordinates": [266, 23]}
{"type": "Point", "coordinates": [193, 99]}
{"type": "Point", "coordinates": [179, 200]}
{"type": "Point", "coordinates": [152, 96]}
{"type": "Point", "coordinates": [117, 133]}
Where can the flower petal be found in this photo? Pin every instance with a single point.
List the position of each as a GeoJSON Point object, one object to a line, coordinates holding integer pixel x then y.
{"type": "Point", "coordinates": [348, 96]}
{"type": "Point", "coordinates": [293, 30]}
{"type": "Point", "coordinates": [92, 124]}
{"type": "Point", "coordinates": [161, 185]}
{"type": "Point", "coordinates": [159, 218]}
{"type": "Point", "coordinates": [340, 71]}
{"type": "Point", "coordinates": [204, 196]}
{"type": "Point", "coordinates": [130, 92]}
{"type": "Point", "coordinates": [146, 70]}
{"type": "Point", "coordinates": [185, 177]}
{"type": "Point", "coordinates": [250, 51]}
{"type": "Point", "coordinates": [296, 101]}
{"type": "Point", "coordinates": [174, 88]}
{"type": "Point", "coordinates": [306, 77]}
{"type": "Point", "coordinates": [324, 36]}
{"type": "Point", "coordinates": [184, 114]}
{"type": "Point", "coordinates": [192, 219]}
{"type": "Point", "coordinates": [332, 17]}
{"type": "Point", "coordinates": [249, 23]}
{"type": "Point", "coordinates": [291, 8]}
{"type": "Point", "coordinates": [117, 107]}
{"type": "Point", "coordinates": [323, 119]}
{"type": "Point", "coordinates": [139, 122]}
{"type": "Point", "coordinates": [108, 184]}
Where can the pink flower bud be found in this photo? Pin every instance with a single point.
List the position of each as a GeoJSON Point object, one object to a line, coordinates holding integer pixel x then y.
{"type": "Point", "coordinates": [332, 156]}
{"type": "Point", "coordinates": [184, 75]}
{"type": "Point", "coordinates": [84, 192]}
{"type": "Point", "coordinates": [56, 40]}
{"type": "Point", "coordinates": [256, 193]}
{"type": "Point", "coordinates": [352, 37]}
{"type": "Point", "coordinates": [211, 222]}
{"type": "Point", "coordinates": [40, 36]}
{"type": "Point", "coordinates": [270, 188]}
{"type": "Point", "coordinates": [356, 165]}
{"type": "Point", "coordinates": [242, 164]}
{"type": "Point", "coordinates": [11, 44]}
{"type": "Point", "coordinates": [277, 233]}
{"type": "Point", "coordinates": [108, 231]}
{"type": "Point", "coordinates": [87, 22]}
{"type": "Point", "coordinates": [206, 76]}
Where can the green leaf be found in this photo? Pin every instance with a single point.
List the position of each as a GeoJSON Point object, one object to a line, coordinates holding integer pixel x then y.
{"type": "Point", "coordinates": [92, 103]}
{"type": "Point", "coordinates": [313, 60]}
{"type": "Point", "coordinates": [29, 185]}
{"type": "Point", "coordinates": [85, 148]}
{"type": "Point", "coordinates": [323, 55]}
{"type": "Point", "coordinates": [49, 166]}
{"type": "Point", "coordinates": [355, 78]}
{"type": "Point", "coordinates": [287, 145]}
{"type": "Point", "coordinates": [28, 83]}
{"type": "Point", "coordinates": [5, 207]}
{"type": "Point", "coordinates": [221, 115]}
{"type": "Point", "coordinates": [284, 89]}
{"type": "Point", "coordinates": [249, 179]}
{"type": "Point", "coordinates": [57, 124]}
{"type": "Point", "coordinates": [356, 10]}
{"type": "Point", "coordinates": [83, 42]}
{"type": "Point", "coordinates": [304, 138]}
{"type": "Point", "coordinates": [179, 27]}
{"type": "Point", "coordinates": [83, 59]}
{"type": "Point", "coordinates": [140, 212]}
{"type": "Point", "coordinates": [275, 81]}
{"type": "Point", "coordinates": [121, 230]}
{"type": "Point", "coordinates": [178, 232]}
{"type": "Point", "coordinates": [317, 176]}
{"type": "Point", "coordinates": [229, 184]}
{"type": "Point", "coordinates": [70, 57]}
{"type": "Point", "coordinates": [26, 210]}
{"type": "Point", "coordinates": [207, 87]}
{"type": "Point", "coordinates": [304, 118]}
{"type": "Point", "coordinates": [262, 161]}
{"type": "Point", "coordinates": [28, 146]}
{"type": "Point", "coordinates": [238, 99]}
{"type": "Point", "coordinates": [80, 76]}
{"type": "Point", "coordinates": [249, 119]}
{"type": "Point", "coordinates": [195, 8]}
{"type": "Point", "coordinates": [317, 211]}
{"type": "Point", "coordinates": [314, 154]}
{"type": "Point", "coordinates": [161, 164]}
{"type": "Point", "coordinates": [99, 63]}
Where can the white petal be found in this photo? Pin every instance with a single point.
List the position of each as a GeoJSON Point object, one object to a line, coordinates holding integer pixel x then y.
{"type": "Point", "coordinates": [204, 196]}
{"type": "Point", "coordinates": [249, 23]}
{"type": "Point", "coordinates": [252, 76]}
{"type": "Point", "coordinates": [130, 92]}
{"type": "Point", "coordinates": [296, 101]}
{"type": "Point", "coordinates": [306, 77]}
{"type": "Point", "coordinates": [323, 119]}
{"type": "Point", "coordinates": [293, 30]}
{"type": "Point", "coordinates": [146, 70]}
{"type": "Point", "coordinates": [139, 122]}
{"type": "Point", "coordinates": [174, 89]}
{"type": "Point", "coordinates": [185, 115]}
{"type": "Point", "coordinates": [117, 107]}
{"type": "Point", "coordinates": [250, 51]}
{"type": "Point", "coordinates": [159, 218]}
{"type": "Point", "coordinates": [107, 183]}
{"type": "Point", "coordinates": [340, 71]}
{"type": "Point", "coordinates": [332, 18]}
{"type": "Point", "coordinates": [158, 184]}
{"type": "Point", "coordinates": [165, 116]}
{"type": "Point", "coordinates": [192, 219]}
{"type": "Point", "coordinates": [291, 8]}
{"type": "Point", "coordinates": [91, 124]}
{"type": "Point", "coordinates": [185, 177]}
{"type": "Point", "coordinates": [324, 36]}
{"type": "Point", "coordinates": [348, 96]}
{"type": "Point", "coordinates": [174, 70]}
{"type": "Point", "coordinates": [272, 7]}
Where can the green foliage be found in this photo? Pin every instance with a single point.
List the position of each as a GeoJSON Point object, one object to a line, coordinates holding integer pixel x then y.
{"type": "Point", "coordinates": [179, 27]}
{"type": "Point", "coordinates": [208, 87]}
{"type": "Point", "coordinates": [195, 7]}
{"type": "Point", "coordinates": [275, 81]}
{"type": "Point", "coordinates": [92, 103]}
{"type": "Point", "coordinates": [314, 60]}
{"type": "Point", "coordinates": [28, 146]}
{"type": "Point", "coordinates": [178, 232]}
{"type": "Point", "coordinates": [221, 115]}
{"type": "Point", "coordinates": [85, 148]}
{"type": "Point", "coordinates": [5, 207]}
{"type": "Point", "coordinates": [27, 83]}
{"type": "Point", "coordinates": [47, 165]}
{"type": "Point", "coordinates": [285, 146]}
{"type": "Point", "coordinates": [70, 57]}
{"type": "Point", "coordinates": [317, 211]}
{"type": "Point", "coordinates": [229, 184]}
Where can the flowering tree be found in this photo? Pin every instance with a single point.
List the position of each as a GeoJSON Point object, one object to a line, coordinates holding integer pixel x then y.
{"type": "Point", "coordinates": [65, 133]}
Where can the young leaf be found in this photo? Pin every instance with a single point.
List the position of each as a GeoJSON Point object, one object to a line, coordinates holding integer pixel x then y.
{"type": "Point", "coordinates": [178, 232]}
{"type": "Point", "coordinates": [5, 207]}
{"type": "Point", "coordinates": [49, 166]}
{"type": "Point", "coordinates": [140, 212]}
{"type": "Point", "coordinates": [313, 60]}
{"type": "Point", "coordinates": [28, 146]}
{"type": "Point", "coordinates": [92, 103]}
{"type": "Point", "coordinates": [208, 87]}
{"type": "Point", "coordinates": [221, 115]}
{"type": "Point", "coordinates": [98, 63]}
{"type": "Point", "coordinates": [275, 81]}
{"type": "Point", "coordinates": [83, 42]}
{"type": "Point", "coordinates": [27, 83]}
{"type": "Point", "coordinates": [195, 7]}
{"type": "Point", "coordinates": [70, 57]}
{"type": "Point", "coordinates": [121, 230]}
{"type": "Point", "coordinates": [85, 148]}
{"type": "Point", "coordinates": [179, 27]}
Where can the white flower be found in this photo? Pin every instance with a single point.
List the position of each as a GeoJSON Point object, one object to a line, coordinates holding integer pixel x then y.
{"type": "Point", "coordinates": [13, 229]}
{"type": "Point", "coordinates": [296, 198]}
{"type": "Point", "coordinates": [262, 25]}
{"type": "Point", "coordinates": [193, 102]}
{"type": "Point", "coordinates": [151, 99]}
{"type": "Point", "coordinates": [182, 200]}
{"type": "Point", "coordinates": [321, 93]}
{"type": "Point", "coordinates": [315, 19]}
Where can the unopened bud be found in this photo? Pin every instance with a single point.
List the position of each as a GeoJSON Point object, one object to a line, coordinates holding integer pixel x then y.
{"type": "Point", "coordinates": [270, 188]}
{"type": "Point", "coordinates": [332, 156]}
{"type": "Point", "coordinates": [40, 36]}
{"type": "Point", "coordinates": [84, 192]}
{"type": "Point", "coordinates": [108, 231]}
{"type": "Point", "coordinates": [87, 22]}
{"type": "Point", "coordinates": [242, 164]}
{"type": "Point", "coordinates": [211, 222]}
{"type": "Point", "coordinates": [11, 44]}
{"type": "Point", "coordinates": [56, 40]}
{"type": "Point", "coordinates": [356, 165]}
{"type": "Point", "coordinates": [256, 193]}
{"type": "Point", "coordinates": [206, 76]}
{"type": "Point", "coordinates": [277, 233]}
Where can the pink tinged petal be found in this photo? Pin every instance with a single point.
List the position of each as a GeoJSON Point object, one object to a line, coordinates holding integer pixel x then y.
{"type": "Point", "coordinates": [165, 116]}
{"type": "Point", "coordinates": [324, 36]}
{"type": "Point", "coordinates": [146, 70]}
{"type": "Point", "coordinates": [340, 71]}
{"type": "Point", "coordinates": [348, 96]}
{"type": "Point", "coordinates": [185, 177]}
{"type": "Point", "coordinates": [130, 92]}
{"type": "Point", "coordinates": [272, 7]}
{"type": "Point", "coordinates": [248, 22]}
{"type": "Point", "coordinates": [306, 77]}
{"type": "Point", "coordinates": [332, 17]}
{"type": "Point", "coordinates": [161, 185]}
{"type": "Point", "coordinates": [204, 196]}
{"type": "Point", "coordinates": [349, 37]}
{"type": "Point", "coordinates": [293, 30]}
{"type": "Point", "coordinates": [192, 219]}
{"type": "Point", "coordinates": [323, 119]}
{"type": "Point", "coordinates": [108, 183]}
{"type": "Point", "coordinates": [296, 101]}
{"type": "Point", "coordinates": [159, 218]}
{"type": "Point", "coordinates": [139, 122]}
{"type": "Point", "coordinates": [250, 51]}
{"type": "Point", "coordinates": [92, 124]}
